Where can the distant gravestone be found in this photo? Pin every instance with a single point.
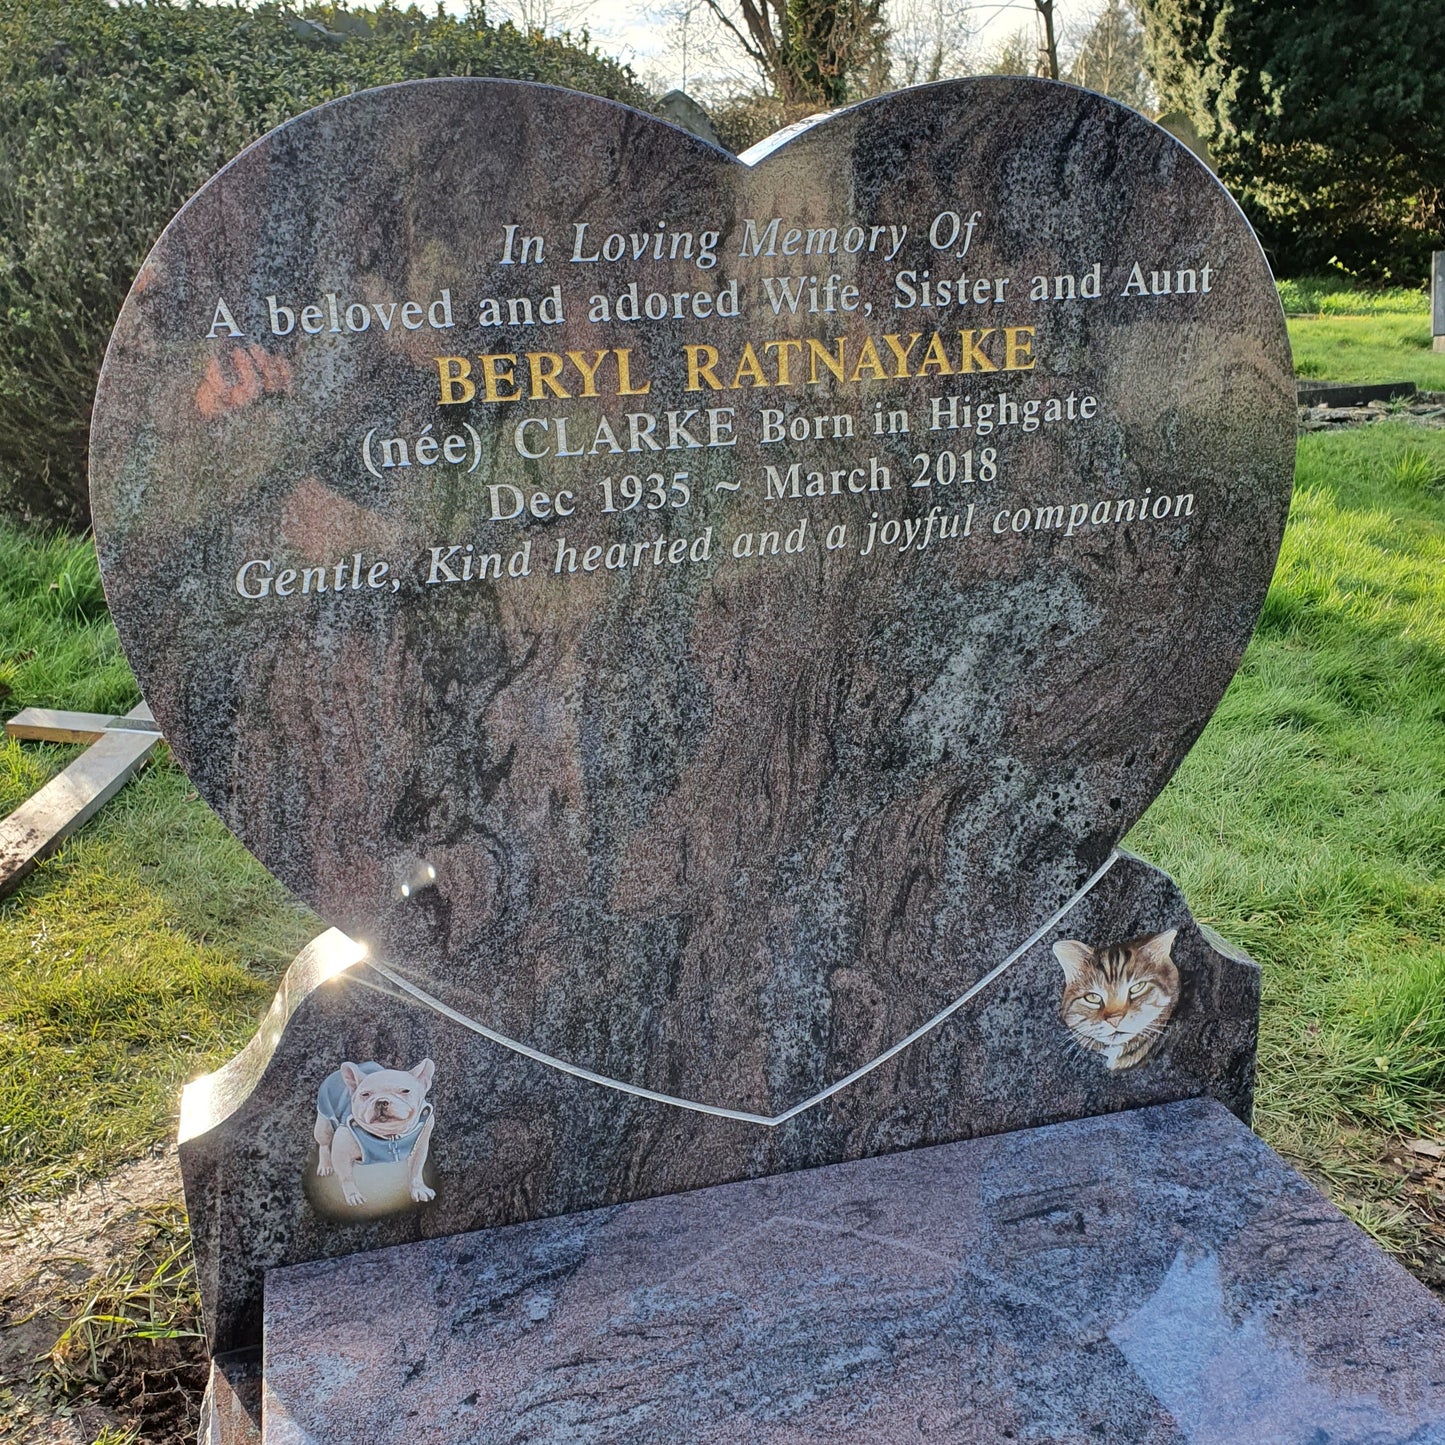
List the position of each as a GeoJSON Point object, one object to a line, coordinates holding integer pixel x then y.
{"type": "Point", "coordinates": [1183, 129]}
{"type": "Point", "coordinates": [1437, 299]}
{"type": "Point", "coordinates": [698, 631]}
{"type": "Point", "coordinates": [682, 110]}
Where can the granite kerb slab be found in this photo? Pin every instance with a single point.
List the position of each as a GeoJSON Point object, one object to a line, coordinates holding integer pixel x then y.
{"type": "Point", "coordinates": [1153, 1276]}
{"type": "Point", "coordinates": [1352, 393]}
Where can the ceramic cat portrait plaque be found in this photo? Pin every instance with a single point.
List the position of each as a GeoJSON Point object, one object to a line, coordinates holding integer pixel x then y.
{"type": "Point", "coordinates": [693, 615]}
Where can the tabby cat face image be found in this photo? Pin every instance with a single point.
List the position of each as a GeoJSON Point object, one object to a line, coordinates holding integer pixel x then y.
{"type": "Point", "coordinates": [1117, 1000]}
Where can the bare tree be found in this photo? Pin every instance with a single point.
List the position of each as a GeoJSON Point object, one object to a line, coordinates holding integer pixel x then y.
{"type": "Point", "coordinates": [1016, 54]}
{"type": "Point", "coordinates": [698, 55]}
{"type": "Point", "coordinates": [808, 50]}
{"type": "Point", "coordinates": [1109, 57]}
{"type": "Point", "coordinates": [929, 40]}
{"type": "Point", "coordinates": [816, 54]}
{"type": "Point", "coordinates": [1050, 46]}
{"type": "Point", "coordinates": [1023, 53]}
{"type": "Point", "coordinates": [551, 17]}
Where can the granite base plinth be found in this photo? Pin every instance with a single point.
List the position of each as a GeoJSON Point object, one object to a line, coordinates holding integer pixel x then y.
{"type": "Point", "coordinates": [1156, 1275]}
{"type": "Point", "coordinates": [517, 1139]}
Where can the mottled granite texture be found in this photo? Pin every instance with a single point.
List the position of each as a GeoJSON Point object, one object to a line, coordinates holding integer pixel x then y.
{"type": "Point", "coordinates": [1153, 1276]}
{"type": "Point", "coordinates": [516, 1139]}
{"type": "Point", "coordinates": [723, 828]}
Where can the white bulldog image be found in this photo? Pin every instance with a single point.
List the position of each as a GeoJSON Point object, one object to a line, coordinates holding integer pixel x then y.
{"type": "Point", "coordinates": [366, 1114]}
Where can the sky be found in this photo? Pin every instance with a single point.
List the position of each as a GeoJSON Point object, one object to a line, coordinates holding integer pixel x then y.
{"type": "Point", "coordinates": [649, 34]}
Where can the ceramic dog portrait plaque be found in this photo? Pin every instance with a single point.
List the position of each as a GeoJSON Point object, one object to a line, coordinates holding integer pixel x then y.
{"type": "Point", "coordinates": [694, 618]}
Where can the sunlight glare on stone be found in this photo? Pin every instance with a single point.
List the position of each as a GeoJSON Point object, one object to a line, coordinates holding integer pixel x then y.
{"type": "Point", "coordinates": [336, 952]}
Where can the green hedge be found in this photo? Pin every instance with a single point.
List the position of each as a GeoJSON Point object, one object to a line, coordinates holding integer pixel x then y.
{"type": "Point", "coordinates": [111, 115]}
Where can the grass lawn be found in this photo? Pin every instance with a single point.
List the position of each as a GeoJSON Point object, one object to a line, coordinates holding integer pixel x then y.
{"type": "Point", "coordinates": [146, 950]}
{"type": "Point", "coordinates": [1308, 825]}
{"type": "Point", "coordinates": [1343, 335]}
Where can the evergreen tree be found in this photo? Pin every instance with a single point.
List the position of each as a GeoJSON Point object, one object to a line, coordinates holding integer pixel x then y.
{"type": "Point", "coordinates": [1325, 117]}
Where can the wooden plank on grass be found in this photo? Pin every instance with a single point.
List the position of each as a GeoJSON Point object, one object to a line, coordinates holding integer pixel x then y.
{"type": "Point", "coordinates": [50, 725]}
{"type": "Point", "coordinates": [71, 799]}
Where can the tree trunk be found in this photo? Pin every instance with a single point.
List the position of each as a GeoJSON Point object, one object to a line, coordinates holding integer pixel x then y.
{"type": "Point", "coordinates": [1051, 39]}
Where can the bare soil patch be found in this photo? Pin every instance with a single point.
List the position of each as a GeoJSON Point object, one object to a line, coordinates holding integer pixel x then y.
{"type": "Point", "coordinates": [98, 1315]}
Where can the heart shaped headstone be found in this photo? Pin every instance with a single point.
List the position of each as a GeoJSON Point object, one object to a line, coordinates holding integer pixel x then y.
{"type": "Point", "coordinates": [694, 618]}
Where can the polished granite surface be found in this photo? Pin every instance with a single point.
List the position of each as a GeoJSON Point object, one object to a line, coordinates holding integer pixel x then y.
{"type": "Point", "coordinates": [1157, 1275]}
